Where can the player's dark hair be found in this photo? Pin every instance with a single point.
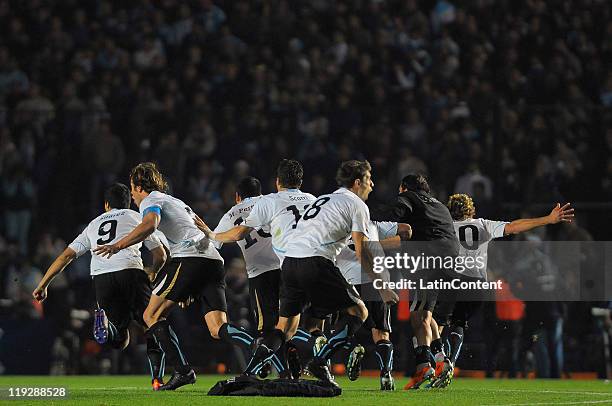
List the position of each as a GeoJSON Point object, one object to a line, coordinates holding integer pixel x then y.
{"type": "Point", "coordinates": [148, 177]}
{"type": "Point", "coordinates": [248, 187]}
{"type": "Point", "coordinates": [416, 182]}
{"type": "Point", "coordinates": [461, 207]}
{"type": "Point", "coordinates": [117, 196]}
{"type": "Point", "coordinates": [349, 171]}
{"type": "Point", "coordinates": [290, 173]}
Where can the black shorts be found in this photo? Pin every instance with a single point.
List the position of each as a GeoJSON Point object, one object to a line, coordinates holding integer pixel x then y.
{"type": "Point", "coordinates": [379, 313]}
{"type": "Point", "coordinates": [314, 280]}
{"type": "Point", "coordinates": [196, 277]}
{"type": "Point", "coordinates": [457, 307]}
{"type": "Point", "coordinates": [263, 292]}
{"type": "Point", "coordinates": [124, 296]}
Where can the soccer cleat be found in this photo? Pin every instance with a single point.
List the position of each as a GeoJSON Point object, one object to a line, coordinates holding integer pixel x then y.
{"type": "Point", "coordinates": [386, 381]}
{"type": "Point", "coordinates": [293, 360]}
{"type": "Point", "coordinates": [318, 368]}
{"type": "Point", "coordinates": [320, 341]}
{"type": "Point", "coordinates": [177, 380]}
{"type": "Point", "coordinates": [100, 331]}
{"type": "Point", "coordinates": [353, 363]}
{"type": "Point", "coordinates": [444, 374]}
{"type": "Point", "coordinates": [157, 383]}
{"type": "Point", "coordinates": [423, 376]}
{"type": "Point", "coordinates": [265, 370]}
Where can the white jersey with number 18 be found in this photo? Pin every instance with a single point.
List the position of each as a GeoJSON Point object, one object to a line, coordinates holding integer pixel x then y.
{"type": "Point", "coordinates": [325, 227]}
{"type": "Point", "coordinates": [474, 236]}
{"type": "Point", "coordinates": [280, 213]}
{"type": "Point", "coordinates": [108, 228]}
{"type": "Point", "coordinates": [257, 246]}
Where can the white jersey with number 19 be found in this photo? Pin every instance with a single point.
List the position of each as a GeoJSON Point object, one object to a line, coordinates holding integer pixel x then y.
{"type": "Point", "coordinates": [257, 246]}
{"type": "Point", "coordinates": [280, 213]}
{"type": "Point", "coordinates": [177, 224]}
{"type": "Point", "coordinates": [474, 236]}
{"type": "Point", "coordinates": [108, 228]}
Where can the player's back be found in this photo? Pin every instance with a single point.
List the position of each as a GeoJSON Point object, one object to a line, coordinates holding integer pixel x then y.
{"type": "Point", "coordinates": [108, 228]}
{"type": "Point", "coordinates": [325, 227]}
{"type": "Point", "coordinates": [257, 246]}
{"type": "Point", "coordinates": [474, 236]}
{"type": "Point", "coordinates": [177, 224]}
{"type": "Point", "coordinates": [281, 212]}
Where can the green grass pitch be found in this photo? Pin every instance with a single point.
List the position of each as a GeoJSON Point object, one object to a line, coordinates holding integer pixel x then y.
{"type": "Point", "coordinates": [134, 390]}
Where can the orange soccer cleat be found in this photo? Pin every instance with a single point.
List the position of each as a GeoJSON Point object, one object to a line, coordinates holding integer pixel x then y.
{"type": "Point", "coordinates": [424, 375]}
{"type": "Point", "coordinates": [156, 383]}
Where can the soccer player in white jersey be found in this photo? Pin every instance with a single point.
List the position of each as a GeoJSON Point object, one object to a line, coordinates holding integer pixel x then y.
{"type": "Point", "coordinates": [309, 274]}
{"type": "Point", "coordinates": [474, 235]}
{"type": "Point", "coordinates": [122, 288]}
{"type": "Point", "coordinates": [379, 312]}
{"type": "Point", "coordinates": [194, 270]}
{"type": "Point", "coordinates": [279, 213]}
{"type": "Point", "coordinates": [262, 264]}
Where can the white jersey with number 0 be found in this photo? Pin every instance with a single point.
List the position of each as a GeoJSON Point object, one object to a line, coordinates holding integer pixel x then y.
{"type": "Point", "coordinates": [177, 224]}
{"type": "Point", "coordinates": [108, 228]}
{"type": "Point", "coordinates": [279, 212]}
{"type": "Point", "coordinates": [347, 260]}
{"type": "Point", "coordinates": [325, 227]}
{"type": "Point", "coordinates": [257, 246]}
{"type": "Point", "coordinates": [474, 236]}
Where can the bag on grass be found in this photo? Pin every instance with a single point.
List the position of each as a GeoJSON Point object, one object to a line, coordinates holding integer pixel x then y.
{"type": "Point", "coordinates": [251, 386]}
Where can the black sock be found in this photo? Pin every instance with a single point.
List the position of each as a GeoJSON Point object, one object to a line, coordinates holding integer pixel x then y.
{"type": "Point", "coordinates": [236, 336]}
{"type": "Point", "coordinates": [169, 343]}
{"type": "Point", "coordinates": [112, 332]}
{"type": "Point", "coordinates": [455, 337]}
{"type": "Point", "coordinates": [302, 341]}
{"type": "Point", "coordinates": [384, 355]}
{"type": "Point", "coordinates": [279, 359]}
{"type": "Point", "coordinates": [343, 330]}
{"type": "Point", "coordinates": [156, 356]}
{"type": "Point", "coordinates": [422, 354]}
{"type": "Point", "coordinates": [271, 342]}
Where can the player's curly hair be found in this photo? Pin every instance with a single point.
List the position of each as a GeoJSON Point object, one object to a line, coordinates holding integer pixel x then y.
{"type": "Point", "coordinates": [461, 206]}
{"type": "Point", "coordinates": [148, 177]}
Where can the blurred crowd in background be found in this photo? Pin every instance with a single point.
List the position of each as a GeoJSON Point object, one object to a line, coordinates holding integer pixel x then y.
{"type": "Point", "coordinates": [509, 101]}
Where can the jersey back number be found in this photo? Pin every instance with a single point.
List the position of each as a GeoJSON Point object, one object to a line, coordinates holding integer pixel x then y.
{"type": "Point", "coordinates": [108, 230]}
{"type": "Point", "coordinates": [250, 241]}
{"type": "Point", "coordinates": [468, 245]}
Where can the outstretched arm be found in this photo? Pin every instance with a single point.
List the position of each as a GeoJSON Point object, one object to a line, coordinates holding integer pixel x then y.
{"type": "Point", "coordinates": [232, 235]}
{"type": "Point", "coordinates": [558, 214]}
{"type": "Point", "coordinates": [61, 262]}
{"type": "Point", "coordinates": [148, 226]}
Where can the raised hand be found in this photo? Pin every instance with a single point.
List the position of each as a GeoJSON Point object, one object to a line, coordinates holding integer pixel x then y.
{"type": "Point", "coordinates": [560, 213]}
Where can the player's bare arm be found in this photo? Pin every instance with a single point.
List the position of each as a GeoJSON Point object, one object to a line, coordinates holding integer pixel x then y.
{"type": "Point", "coordinates": [60, 263]}
{"type": "Point", "coordinates": [365, 258]}
{"type": "Point", "coordinates": [159, 259]}
{"type": "Point", "coordinates": [148, 226]}
{"type": "Point", "coordinates": [235, 234]}
{"type": "Point", "coordinates": [558, 214]}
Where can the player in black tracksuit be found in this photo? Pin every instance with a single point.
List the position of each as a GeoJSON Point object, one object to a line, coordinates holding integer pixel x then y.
{"type": "Point", "coordinates": [432, 223]}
